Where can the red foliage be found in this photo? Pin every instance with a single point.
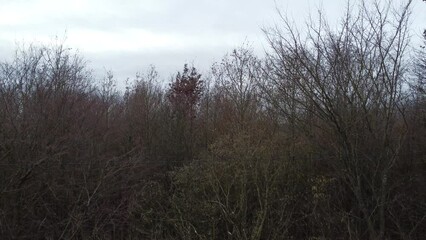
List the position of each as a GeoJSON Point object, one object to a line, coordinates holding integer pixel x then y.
{"type": "Point", "coordinates": [185, 92]}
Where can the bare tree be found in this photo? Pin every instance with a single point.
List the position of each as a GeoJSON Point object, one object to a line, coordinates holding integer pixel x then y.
{"type": "Point", "coordinates": [235, 78]}
{"type": "Point", "coordinates": [347, 84]}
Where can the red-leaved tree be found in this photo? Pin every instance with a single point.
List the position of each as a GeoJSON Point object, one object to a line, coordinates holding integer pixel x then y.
{"type": "Point", "coordinates": [184, 96]}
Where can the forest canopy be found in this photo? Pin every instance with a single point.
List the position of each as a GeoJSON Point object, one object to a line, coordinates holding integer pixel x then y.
{"type": "Point", "coordinates": [323, 138]}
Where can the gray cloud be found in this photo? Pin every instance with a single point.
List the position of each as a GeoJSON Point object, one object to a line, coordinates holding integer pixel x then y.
{"type": "Point", "coordinates": [127, 36]}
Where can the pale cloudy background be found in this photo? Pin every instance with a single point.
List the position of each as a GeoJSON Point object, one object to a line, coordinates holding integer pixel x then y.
{"type": "Point", "coordinates": [127, 36]}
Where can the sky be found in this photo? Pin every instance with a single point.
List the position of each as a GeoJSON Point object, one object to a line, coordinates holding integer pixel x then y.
{"type": "Point", "coordinates": [129, 35]}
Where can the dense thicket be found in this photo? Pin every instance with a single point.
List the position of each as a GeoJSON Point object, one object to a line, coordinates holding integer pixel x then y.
{"type": "Point", "coordinates": [324, 138]}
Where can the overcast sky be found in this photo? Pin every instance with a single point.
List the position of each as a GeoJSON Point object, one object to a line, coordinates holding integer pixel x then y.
{"type": "Point", "coordinates": [126, 36]}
